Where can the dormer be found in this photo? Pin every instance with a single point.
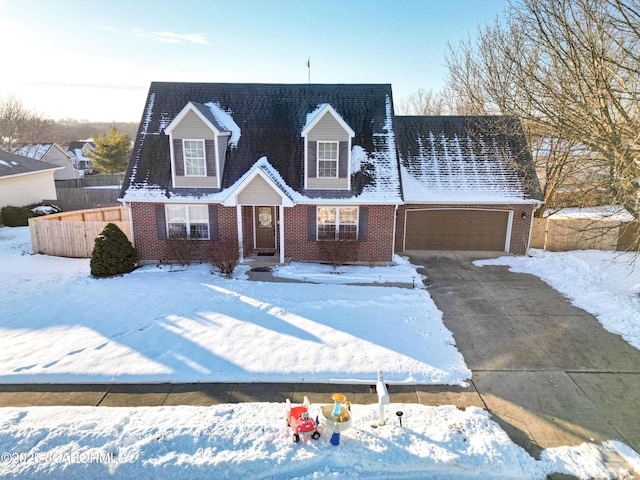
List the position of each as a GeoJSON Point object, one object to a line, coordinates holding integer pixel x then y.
{"type": "Point", "coordinates": [327, 150]}
{"type": "Point", "coordinates": [198, 140]}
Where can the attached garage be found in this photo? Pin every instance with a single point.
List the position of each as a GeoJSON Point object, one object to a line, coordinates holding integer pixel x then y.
{"type": "Point", "coordinates": [457, 229]}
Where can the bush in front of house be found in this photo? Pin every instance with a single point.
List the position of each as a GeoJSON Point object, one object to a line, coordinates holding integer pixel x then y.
{"type": "Point", "coordinates": [16, 216]}
{"type": "Point", "coordinates": [179, 250]}
{"type": "Point", "coordinates": [224, 256]}
{"type": "Point", "coordinates": [113, 253]}
{"type": "Point", "coordinates": [339, 251]}
{"type": "Point", "coordinates": [19, 216]}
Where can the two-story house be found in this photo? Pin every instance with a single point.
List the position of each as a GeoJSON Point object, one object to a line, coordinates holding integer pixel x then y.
{"type": "Point", "coordinates": [280, 168]}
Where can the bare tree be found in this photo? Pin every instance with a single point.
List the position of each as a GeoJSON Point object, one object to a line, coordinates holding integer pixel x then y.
{"type": "Point", "coordinates": [19, 126]}
{"type": "Point", "coordinates": [422, 102]}
{"type": "Point", "coordinates": [569, 70]}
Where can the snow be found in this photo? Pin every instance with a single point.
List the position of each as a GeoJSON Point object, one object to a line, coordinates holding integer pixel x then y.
{"type": "Point", "coordinates": [35, 151]}
{"type": "Point", "coordinates": [312, 115]}
{"type": "Point", "coordinates": [402, 272]}
{"type": "Point", "coordinates": [186, 323]}
{"type": "Point", "coordinates": [189, 325]}
{"type": "Point", "coordinates": [605, 284]}
{"type": "Point", "coordinates": [448, 170]}
{"type": "Point", "coordinates": [225, 119]}
{"type": "Point", "coordinates": [605, 212]}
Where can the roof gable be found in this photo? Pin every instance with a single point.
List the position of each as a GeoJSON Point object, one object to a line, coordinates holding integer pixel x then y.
{"type": "Point", "coordinates": [202, 112]}
{"type": "Point", "coordinates": [318, 114]}
{"type": "Point", "coordinates": [263, 170]}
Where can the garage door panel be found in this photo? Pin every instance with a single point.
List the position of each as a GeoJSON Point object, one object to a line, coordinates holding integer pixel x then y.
{"type": "Point", "coordinates": [456, 230]}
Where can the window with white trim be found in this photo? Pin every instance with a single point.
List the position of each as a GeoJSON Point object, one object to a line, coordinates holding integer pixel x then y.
{"type": "Point", "coordinates": [337, 223]}
{"type": "Point", "coordinates": [188, 221]}
{"type": "Point", "coordinates": [327, 159]}
{"type": "Point", "coordinates": [194, 158]}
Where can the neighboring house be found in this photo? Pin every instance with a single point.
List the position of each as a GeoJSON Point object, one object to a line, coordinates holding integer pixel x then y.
{"type": "Point", "coordinates": [78, 151]}
{"type": "Point", "coordinates": [282, 168]}
{"type": "Point", "coordinates": [25, 181]}
{"type": "Point", "coordinates": [51, 153]}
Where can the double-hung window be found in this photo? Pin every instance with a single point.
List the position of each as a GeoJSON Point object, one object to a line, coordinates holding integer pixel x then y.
{"type": "Point", "coordinates": [337, 223]}
{"type": "Point", "coordinates": [194, 158]}
{"type": "Point", "coordinates": [327, 159]}
{"type": "Point", "coordinates": [188, 221]}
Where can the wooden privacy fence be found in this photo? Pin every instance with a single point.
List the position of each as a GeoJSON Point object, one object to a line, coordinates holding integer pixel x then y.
{"type": "Point", "coordinates": [83, 198]}
{"type": "Point", "coordinates": [73, 234]}
{"type": "Point", "coordinates": [560, 234]}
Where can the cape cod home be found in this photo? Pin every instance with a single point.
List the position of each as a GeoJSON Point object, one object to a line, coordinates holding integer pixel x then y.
{"type": "Point", "coordinates": [279, 168]}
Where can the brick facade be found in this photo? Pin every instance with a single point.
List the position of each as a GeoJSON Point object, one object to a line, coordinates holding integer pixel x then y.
{"type": "Point", "coordinates": [520, 227]}
{"type": "Point", "coordinates": [378, 248]}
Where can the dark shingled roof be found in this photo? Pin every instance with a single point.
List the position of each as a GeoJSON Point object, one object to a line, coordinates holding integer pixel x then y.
{"type": "Point", "coordinates": [271, 118]}
{"type": "Point", "coordinates": [11, 164]}
{"type": "Point", "coordinates": [460, 157]}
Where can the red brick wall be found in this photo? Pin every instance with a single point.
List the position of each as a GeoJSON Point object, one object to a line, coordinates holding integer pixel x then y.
{"type": "Point", "coordinates": [520, 228]}
{"type": "Point", "coordinates": [377, 248]}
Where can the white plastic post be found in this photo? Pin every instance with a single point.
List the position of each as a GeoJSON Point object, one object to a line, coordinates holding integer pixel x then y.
{"type": "Point", "coordinates": [383, 396]}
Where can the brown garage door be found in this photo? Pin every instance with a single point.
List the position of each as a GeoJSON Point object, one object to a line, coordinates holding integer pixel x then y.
{"type": "Point", "coordinates": [456, 230]}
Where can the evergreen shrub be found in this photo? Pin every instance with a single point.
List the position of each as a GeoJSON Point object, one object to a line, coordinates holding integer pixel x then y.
{"type": "Point", "coordinates": [113, 253]}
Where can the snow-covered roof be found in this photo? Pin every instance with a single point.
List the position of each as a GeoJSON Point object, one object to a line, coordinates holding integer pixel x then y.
{"type": "Point", "coordinates": [266, 120]}
{"type": "Point", "coordinates": [35, 151]}
{"type": "Point", "coordinates": [13, 165]}
{"type": "Point", "coordinates": [465, 159]}
{"type": "Point", "coordinates": [77, 150]}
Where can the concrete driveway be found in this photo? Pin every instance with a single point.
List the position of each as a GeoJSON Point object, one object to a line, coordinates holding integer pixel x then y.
{"type": "Point", "coordinates": [546, 370]}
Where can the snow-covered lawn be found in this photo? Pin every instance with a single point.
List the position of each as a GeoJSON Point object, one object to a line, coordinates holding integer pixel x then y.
{"type": "Point", "coordinates": [57, 324]}
{"type": "Point", "coordinates": [251, 441]}
{"type": "Point", "coordinates": [605, 284]}
{"type": "Point", "coordinates": [60, 325]}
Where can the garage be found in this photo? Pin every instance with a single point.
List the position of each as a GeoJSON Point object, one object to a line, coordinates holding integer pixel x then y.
{"type": "Point", "coordinates": [456, 229]}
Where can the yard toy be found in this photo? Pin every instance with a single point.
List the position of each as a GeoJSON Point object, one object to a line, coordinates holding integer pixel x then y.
{"type": "Point", "coordinates": [336, 417]}
{"type": "Point", "coordinates": [300, 422]}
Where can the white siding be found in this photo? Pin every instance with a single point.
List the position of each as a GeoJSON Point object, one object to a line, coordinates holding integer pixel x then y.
{"type": "Point", "coordinates": [27, 189]}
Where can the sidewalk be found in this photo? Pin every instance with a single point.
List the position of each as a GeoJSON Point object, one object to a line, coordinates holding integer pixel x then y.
{"type": "Point", "coordinates": [203, 394]}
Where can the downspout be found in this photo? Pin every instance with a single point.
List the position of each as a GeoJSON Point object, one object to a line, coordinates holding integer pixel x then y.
{"type": "Point", "coordinates": [395, 224]}
{"type": "Point", "coordinates": [240, 240]}
{"type": "Point", "coordinates": [281, 230]}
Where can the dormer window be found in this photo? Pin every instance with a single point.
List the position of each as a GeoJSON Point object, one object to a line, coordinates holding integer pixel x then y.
{"type": "Point", "coordinates": [327, 159]}
{"type": "Point", "coordinates": [199, 137]}
{"type": "Point", "coordinates": [194, 158]}
{"type": "Point", "coordinates": [327, 150]}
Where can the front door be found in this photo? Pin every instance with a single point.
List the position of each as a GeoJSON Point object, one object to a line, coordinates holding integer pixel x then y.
{"type": "Point", "coordinates": [265, 228]}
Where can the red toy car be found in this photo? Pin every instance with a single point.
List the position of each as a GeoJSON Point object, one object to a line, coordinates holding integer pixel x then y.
{"type": "Point", "coordinates": [300, 422]}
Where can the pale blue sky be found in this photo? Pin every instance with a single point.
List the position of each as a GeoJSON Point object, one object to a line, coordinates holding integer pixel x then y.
{"type": "Point", "coordinates": [95, 59]}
